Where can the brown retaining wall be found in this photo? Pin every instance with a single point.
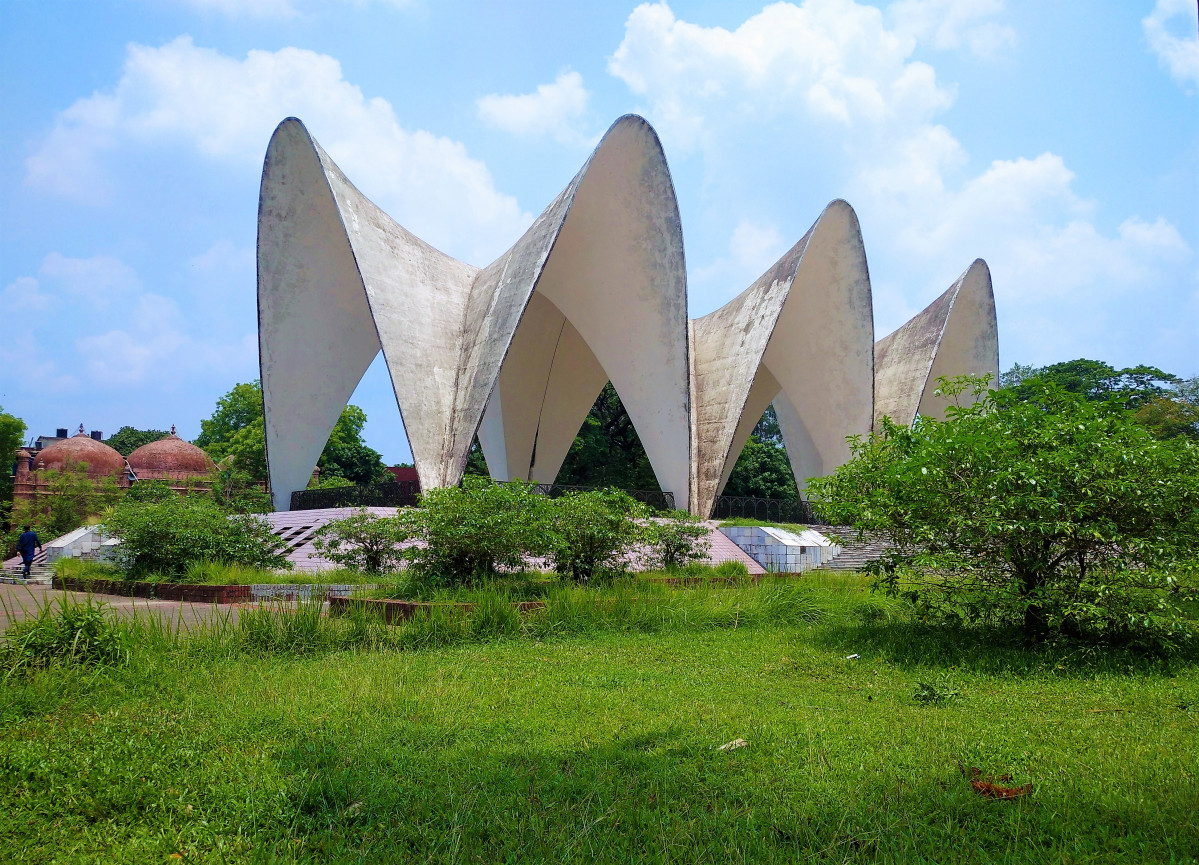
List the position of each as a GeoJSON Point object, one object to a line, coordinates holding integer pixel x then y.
{"type": "Point", "coordinates": [398, 611]}
{"type": "Point", "coordinates": [159, 591]}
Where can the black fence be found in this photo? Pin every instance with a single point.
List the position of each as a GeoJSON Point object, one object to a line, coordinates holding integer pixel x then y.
{"type": "Point", "coordinates": [767, 510]}
{"type": "Point", "coordinates": [389, 494]}
{"type": "Point", "coordinates": [400, 494]}
{"type": "Point", "coordinates": [655, 499]}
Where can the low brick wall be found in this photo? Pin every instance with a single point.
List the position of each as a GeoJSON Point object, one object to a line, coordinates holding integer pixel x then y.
{"type": "Point", "coordinates": [158, 591]}
{"type": "Point", "coordinates": [398, 611]}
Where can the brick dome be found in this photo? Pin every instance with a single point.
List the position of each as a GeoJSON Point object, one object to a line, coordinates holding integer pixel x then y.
{"type": "Point", "coordinates": [170, 454]}
{"type": "Point", "coordinates": [80, 448]}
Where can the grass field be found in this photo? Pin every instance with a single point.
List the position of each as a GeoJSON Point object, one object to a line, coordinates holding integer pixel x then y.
{"type": "Point", "coordinates": [601, 743]}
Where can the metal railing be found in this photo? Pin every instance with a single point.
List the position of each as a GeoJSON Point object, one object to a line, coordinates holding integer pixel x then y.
{"type": "Point", "coordinates": [767, 510]}
{"type": "Point", "coordinates": [400, 494]}
{"type": "Point", "coordinates": [656, 499]}
{"type": "Point", "coordinates": [389, 494]}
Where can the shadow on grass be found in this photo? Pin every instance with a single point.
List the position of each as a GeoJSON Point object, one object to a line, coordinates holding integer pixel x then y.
{"type": "Point", "coordinates": [989, 650]}
{"type": "Point", "coordinates": [656, 797]}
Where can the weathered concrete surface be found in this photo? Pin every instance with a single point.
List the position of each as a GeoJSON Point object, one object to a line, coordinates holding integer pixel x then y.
{"type": "Point", "coordinates": [337, 280]}
{"type": "Point", "coordinates": [956, 334]}
{"type": "Point", "coordinates": [802, 337]}
{"type": "Point", "coordinates": [609, 303]}
{"type": "Point", "coordinates": [594, 291]}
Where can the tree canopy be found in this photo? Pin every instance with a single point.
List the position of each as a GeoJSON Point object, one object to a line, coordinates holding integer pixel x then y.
{"type": "Point", "coordinates": [128, 439]}
{"type": "Point", "coordinates": [1059, 512]}
{"type": "Point", "coordinates": [1091, 379]}
{"type": "Point", "coordinates": [236, 429]}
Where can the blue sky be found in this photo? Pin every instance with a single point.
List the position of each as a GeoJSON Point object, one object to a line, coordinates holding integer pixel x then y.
{"type": "Point", "coordinates": [1058, 140]}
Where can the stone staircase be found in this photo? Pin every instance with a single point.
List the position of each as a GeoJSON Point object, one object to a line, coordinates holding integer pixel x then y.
{"type": "Point", "coordinates": [855, 554]}
{"type": "Point", "coordinates": [41, 574]}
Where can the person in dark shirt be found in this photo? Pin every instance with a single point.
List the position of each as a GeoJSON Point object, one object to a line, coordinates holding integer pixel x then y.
{"type": "Point", "coordinates": [25, 546]}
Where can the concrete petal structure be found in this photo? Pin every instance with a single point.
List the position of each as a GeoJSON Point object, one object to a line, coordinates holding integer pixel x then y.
{"type": "Point", "coordinates": [595, 291]}
{"type": "Point", "coordinates": [802, 337]}
{"type": "Point", "coordinates": [339, 280]}
{"type": "Point", "coordinates": [956, 334]}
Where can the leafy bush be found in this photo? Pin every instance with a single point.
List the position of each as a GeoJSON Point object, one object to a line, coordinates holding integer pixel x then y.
{"type": "Point", "coordinates": [165, 537]}
{"type": "Point", "coordinates": [676, 540]}
{"type": "Point", "coordinates": [593, 532]}
{"type": "Point", "coordinates": [1057, 513]}
{"type": "Point", "coordinates": [63, 633]}
{"type": "Point", "coordinates": [474, 531]}
{"type": "Point", "coordinates": [365, 541]}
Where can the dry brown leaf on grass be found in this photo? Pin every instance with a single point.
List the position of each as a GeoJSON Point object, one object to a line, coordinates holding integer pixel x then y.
{"type": "Point", "coordinates": [991, 787]}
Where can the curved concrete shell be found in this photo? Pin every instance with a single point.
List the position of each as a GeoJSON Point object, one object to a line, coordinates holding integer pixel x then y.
{"type": "Point", "coordinates": [956, 334]}
{"type": "Point", "coordinates": [802, 337]}
{"type": "Point", "coordinates": [339, 280]}
{"type": "Point", "coordinates": [595, 291]}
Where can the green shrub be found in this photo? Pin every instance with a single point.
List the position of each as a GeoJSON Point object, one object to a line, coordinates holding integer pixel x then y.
{"type": "Point", "coordinates": [1054, 513]}
{"type": "Point", "coordinates": [165, 537]}
{"type": "Point", "coordinates": [675, 541]}
{"type": "Point", "coordinates": [475, 531]}
{"type": "Point", "coordinates": [64, 632]}
{"type": "Point", "coordinates": [594, 532]}
{"type": "Point", "coordinates": [365, 541]}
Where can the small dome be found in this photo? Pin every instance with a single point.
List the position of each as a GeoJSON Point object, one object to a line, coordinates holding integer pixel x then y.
{"type": "Point", "coordinates": [81, 448]}
{"type": "Point", "coordinates": [170, 454]}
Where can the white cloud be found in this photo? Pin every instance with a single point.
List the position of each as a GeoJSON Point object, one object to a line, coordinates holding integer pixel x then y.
{"type": "Point", "coordinates": [1177, 51]}
{"type": "Point", "coordinates": [754, 246]}
{"type": "Point", "coordinates": [23, 298]}
{"type": "Point", "coordinates": [830, 60]}
{"type": "Point", "coordinates": [950, 24]}
{"type": "Point", "coordinates": [100, 280]}
{"type": "Point", "coordinates": [830, 87]}
{"type": "Point", "coordinates": [154, 348]}
{"type": "Point", "coordinates": [554, 110]}
{"type": "Point", "coordinates": [224, 109]}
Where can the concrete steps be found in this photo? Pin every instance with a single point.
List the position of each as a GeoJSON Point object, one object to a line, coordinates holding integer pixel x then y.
{"type": "Point", "coordinates": [854, 555]}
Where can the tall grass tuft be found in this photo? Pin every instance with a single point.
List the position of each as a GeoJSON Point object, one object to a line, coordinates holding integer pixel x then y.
{"type": "Point", "coordinates": [63, 633]}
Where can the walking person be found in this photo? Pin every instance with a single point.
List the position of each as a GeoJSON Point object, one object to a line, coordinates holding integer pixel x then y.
{"type": "Point", "coordinates": [25, 546]}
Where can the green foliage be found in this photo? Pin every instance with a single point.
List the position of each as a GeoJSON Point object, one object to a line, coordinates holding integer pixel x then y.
{"type": "Point", "coordinates": [128, 439]}
{"type": "Point", "coordinates": [164, 537]}
{"type": "Point", "coordinates": [607, 451]}
{"type": "Point", "coordinates": [1056, 512]}
{"type": "Point", "coordinates": [237, 492]}
{"type": "Point", "coordinates": [675, 541]}
{"type": "Point", "coordinates": [364, 541]}
{"type": "Point", "coordinates": [593, 532]}
{"type": "Point", "coordinates": [763, 468]}
{"type": "Point", "coordinates": [12, 433]}
{"type": "Point", "coordinates": [63, 632]}
{"type": "Point", "coordinates": [65, 500]}
{"type": "Point", "coordinates": [1175, 415]}
{"type": "Point", "coordinates": [150, 490]}
{"type": "Point", "coordinates": [329, 482]}
{"type": "Point", "coordinates": [1093, 380]}
{"type": "Point", "coordinates": [474, 531]}
{"type": "Point", "coordinates": [237, 430]}
{"type": "Point", "coordinates": [936, 693]}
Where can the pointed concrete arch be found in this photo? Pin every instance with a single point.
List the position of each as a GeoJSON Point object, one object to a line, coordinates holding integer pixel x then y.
{"type": "Point", "coordinates": [603, 265]}
{"type": "Point", "coordinates": [338, 280]}
{"type": "Point", "coordinates": [609, 303]}
{"type": "Point", "coordinates": [802, 337]}
{"type": "Point", "coordinates": [956, 334]}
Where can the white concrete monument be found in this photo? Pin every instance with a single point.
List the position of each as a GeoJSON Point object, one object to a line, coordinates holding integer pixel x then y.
{"type": "Point", "coordinates": [956, 334]}
{"type": "Point", "coordinates": [595, 291]}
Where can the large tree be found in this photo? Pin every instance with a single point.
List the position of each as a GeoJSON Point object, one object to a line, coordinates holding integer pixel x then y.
{"type": "Point", "coordinates": [762, 469]}
{"type": "Point", "coordinates": [1093, 380]}
{"type": "Point", "coordinates": [128, 439]}
{"type": "Point", "coordinates": [236, 429]}
{"type": "Point", "coordinates": [12, 433]}
{"type": "Point", "coordinates": [1058, 512]}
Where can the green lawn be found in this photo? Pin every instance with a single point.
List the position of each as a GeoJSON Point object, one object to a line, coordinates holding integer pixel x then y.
{"type": "Point", "coordinates": [603, 746]}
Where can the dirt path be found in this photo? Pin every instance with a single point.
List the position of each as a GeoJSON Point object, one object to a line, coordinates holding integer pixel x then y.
{"type": "Point", "coordinates": [19, 602]}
